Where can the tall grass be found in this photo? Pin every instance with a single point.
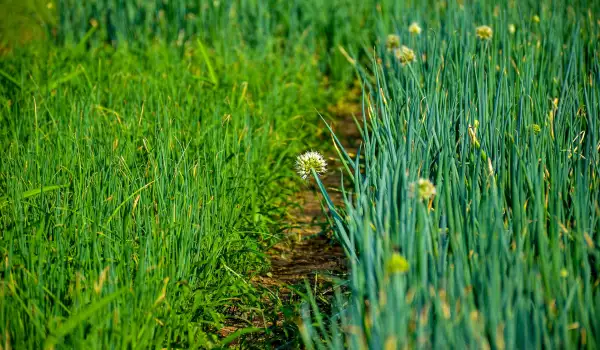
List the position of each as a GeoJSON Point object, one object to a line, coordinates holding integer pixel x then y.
{"type": "Point", "coordinates": [505, 255]}
{"type": "Point", "coordinates": [140, 183]}
{"type": "Point", "coordinates": [145, 159]}
{"type": "Point", "coordinates": [320, 27]}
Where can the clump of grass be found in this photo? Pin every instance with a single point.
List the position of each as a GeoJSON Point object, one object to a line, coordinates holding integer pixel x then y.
{"type": "Point", "coordinates": [140, 187]}
{"type": "Point", "coordinates": [499, 249]}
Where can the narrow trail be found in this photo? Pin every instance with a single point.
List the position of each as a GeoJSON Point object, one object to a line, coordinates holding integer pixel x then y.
{"type": "Point", "coordinates": [308, 252]}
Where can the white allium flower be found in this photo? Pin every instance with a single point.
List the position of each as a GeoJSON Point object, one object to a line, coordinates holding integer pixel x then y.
{"type": "Point", "coordinates": [484, 32]}
{"type": "Point", "coordinates": [392, 41]}
{"type": "Point", "coordinates": [405, 55]}
{"type": "Point", "coordinates": [414, 28]}
{"type": "Point", "coordinates": [423, 188]}
{"type": "Point", "coordinates": [310, 160]}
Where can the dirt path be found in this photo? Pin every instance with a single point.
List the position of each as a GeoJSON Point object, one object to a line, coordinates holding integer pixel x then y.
{"type": "Point", "coordinates": [308, 253]}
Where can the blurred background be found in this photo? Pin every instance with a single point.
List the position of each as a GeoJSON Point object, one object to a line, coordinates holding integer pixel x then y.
{"type": "Point", "coordinates": [24, 21]}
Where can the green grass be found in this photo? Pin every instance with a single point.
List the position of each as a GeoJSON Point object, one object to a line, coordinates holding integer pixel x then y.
{"type": "Point", "coordinates": [506, 253]}
{"type": "Point", "coordinates": [146, 163]}
{"type": "Point", "coordinates": [140, 185]}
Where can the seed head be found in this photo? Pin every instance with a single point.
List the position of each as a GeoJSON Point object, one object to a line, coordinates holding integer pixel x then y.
{"type": "Point", "coordinates": [512, 28]}
{"type": "Point", "coordinates": [414, 28]}
{"type": "Point", "coordinates": [310, 160]}
{"type": "Point", "coordinates": [472, 130]}
{"type": "Point", "coordinates": [397, 264]}
{"type": "Point", "coordinates": [484, 32]}
{"type": "Point", "coordinates": [423, 188]}
{"type": "Point", "coordinates": [404, 55]}
{"type": "Point", "coordinates": [535, 19]}
{"type": "Point", "coordinates": [392, 42]}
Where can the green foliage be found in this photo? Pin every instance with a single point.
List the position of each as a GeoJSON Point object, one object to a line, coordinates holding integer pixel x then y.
{"type": "Point", "coordinates": [24, 21]}
{"type": "Point", "coordinates": [140, 186]}
{"type": "Point", "coordinates": [505, 255]}
{"type": "Point", "coordinates": [145, 159]}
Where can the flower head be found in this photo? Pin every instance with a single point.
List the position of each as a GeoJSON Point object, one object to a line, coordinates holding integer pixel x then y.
{"type": "Point", "coordinates": [423, 188]}
{"type": "Point", "coordinates": [392, 42]}
{"type": "Point", "coordinates": [397, 264]}
{"type": "Point", "coordinates": [512, 28]}
{"type": "Point", "coordinates": [484, 32]}
{"type": "Point", "coordinates": [404, 55]}
{"type": "Point", "coordinates": [414, 28]}
{"type": "Point", "coordinates": [472, 130]}
{"type": "Point", "coordinates": [310, 161]}
{"type": "Point", "coordinates": [535, 19]}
